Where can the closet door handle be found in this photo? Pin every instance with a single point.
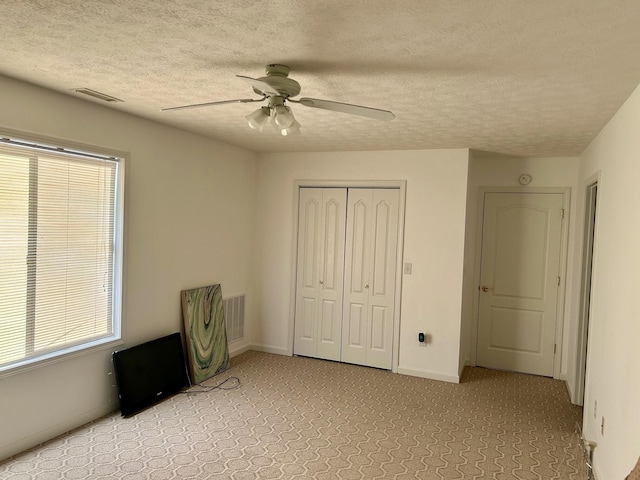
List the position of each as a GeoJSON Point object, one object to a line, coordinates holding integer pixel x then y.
{"type": "Point", "coordinates": [321, 282]}
{"type": "Point", "coordinates": [366, 285]}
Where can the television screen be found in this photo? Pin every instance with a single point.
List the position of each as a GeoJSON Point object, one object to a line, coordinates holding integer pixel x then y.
{"type": "Point", "coordinates": [147, 373]}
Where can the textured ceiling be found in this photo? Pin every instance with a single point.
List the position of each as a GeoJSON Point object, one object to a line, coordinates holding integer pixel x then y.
{"type": "Point", "coordinates": [509, 76]}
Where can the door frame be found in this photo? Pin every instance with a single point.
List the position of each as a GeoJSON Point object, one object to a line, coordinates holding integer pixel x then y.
{"type": "Point", "coordinates": [401, 185]}
{"type": "Point", "coordinates": [562, 269]}
{"type": "Point", "coordinates": [589, 232]}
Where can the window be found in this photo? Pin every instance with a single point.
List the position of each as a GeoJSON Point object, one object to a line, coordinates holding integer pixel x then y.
{"type": "Point", "coordinates": [60, 251]}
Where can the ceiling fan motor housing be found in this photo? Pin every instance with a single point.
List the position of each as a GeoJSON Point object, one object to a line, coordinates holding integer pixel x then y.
{"type": "Point", "coordinates": [277, 78]}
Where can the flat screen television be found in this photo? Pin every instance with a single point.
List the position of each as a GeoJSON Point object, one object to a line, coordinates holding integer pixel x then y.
{"type": "Point", "coordinates": [149, 372]}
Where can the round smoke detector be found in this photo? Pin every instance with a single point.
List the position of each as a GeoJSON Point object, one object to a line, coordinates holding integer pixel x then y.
{"type": "Point", "coordinates": [525, 179]}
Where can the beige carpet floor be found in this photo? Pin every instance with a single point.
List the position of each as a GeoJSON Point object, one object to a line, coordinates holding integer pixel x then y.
{"type": "Point", "coordinates": [311, 419]}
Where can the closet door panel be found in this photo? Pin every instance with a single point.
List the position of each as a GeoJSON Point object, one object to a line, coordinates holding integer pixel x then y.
{"type": "Point", "coordinates": [385, 204]}
{"type": "Point", "coordinates": [307, 292]}
{"type": "Point", "coordinates": [357, 272]}
{"type": "Point", "coordinates": [331, 282]}
{"type": "Point", "coordinates": [320, 272]}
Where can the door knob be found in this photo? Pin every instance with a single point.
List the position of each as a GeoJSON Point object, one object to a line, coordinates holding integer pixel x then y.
{"type": "Point", "coordinates": [366, 286]}
{"type": "Point", "coordinates": [485, 288]}
{"type": "Point", "coordinates": [321, 282]}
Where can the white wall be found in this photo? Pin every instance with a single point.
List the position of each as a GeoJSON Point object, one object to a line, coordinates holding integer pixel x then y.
{"type": "Point", "coordinates": [433, 243]}
{"type": "Point", "coordinates": [486, 170]}
{"type": "Point", "coordinates": [195, 207]}
{"type": "Point", "coordinates": [614, 333]}
{"type": "Point", "coordinates": [189, 222]}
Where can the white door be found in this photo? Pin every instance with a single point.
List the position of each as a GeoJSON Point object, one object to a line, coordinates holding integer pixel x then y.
{"type": "Point", "coordinates": [519, 281]}
{"type": "Point", "coordinates": [320, 272]}
{"type": "Point", "coordinates": [370, 268]}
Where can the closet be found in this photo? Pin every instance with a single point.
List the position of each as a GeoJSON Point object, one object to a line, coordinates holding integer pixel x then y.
{"type": "Point", "coordinates": [345, 274]}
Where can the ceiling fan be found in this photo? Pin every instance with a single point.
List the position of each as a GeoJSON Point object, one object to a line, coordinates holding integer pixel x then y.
{"type": "Point", "coordinates": [276, 88]}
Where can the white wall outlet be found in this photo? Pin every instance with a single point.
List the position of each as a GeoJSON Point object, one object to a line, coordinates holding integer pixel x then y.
{"type": "Point", "coordinates": [408, 267]}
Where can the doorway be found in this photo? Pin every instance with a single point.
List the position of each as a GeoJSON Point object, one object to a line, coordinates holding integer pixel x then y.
{"type": "Point", "coordinates": [588, 244]}
{"type": "Point", "coordinates": [521, 257]}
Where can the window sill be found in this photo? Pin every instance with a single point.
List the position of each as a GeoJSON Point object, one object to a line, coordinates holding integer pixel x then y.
{"type": "Point", "coordinates": [110, 343]}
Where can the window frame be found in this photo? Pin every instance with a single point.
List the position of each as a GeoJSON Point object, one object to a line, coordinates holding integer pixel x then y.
{"type": "Point", "coordinates": [37, 143]}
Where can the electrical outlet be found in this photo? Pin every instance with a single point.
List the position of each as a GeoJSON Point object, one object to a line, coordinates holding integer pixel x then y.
{"type": "Point", "coordinates": [408, 268]}
{"type": "Point", "coordinates": [422, 339]}
{"type": "Point", "coordinates": [110, 375]}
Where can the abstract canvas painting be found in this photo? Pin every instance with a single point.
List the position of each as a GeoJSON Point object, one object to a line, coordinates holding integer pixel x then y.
{"type": "Point", "coordinates": [207, 347]}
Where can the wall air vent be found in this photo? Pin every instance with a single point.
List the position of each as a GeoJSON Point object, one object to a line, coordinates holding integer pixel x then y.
{"type": "Point", "coordinates": [98, 95]}
{"type": "Point", "coordinates": [234, 317]}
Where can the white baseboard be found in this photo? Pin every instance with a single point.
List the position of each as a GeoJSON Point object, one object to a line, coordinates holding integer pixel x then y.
{"type": "Point", "coordinates": [238, 349]}
{"type": "Point", "coordinates": [270, 349]}
{"type": "Point", "coordinates": [443, 377]}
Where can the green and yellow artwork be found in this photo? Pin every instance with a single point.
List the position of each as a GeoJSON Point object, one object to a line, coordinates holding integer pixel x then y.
{"type": "Point", "coordinates": [207, 347]}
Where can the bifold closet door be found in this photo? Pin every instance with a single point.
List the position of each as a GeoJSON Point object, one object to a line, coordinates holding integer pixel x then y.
{"type": "Point", "coordinates": [320, 272]}
{"type": "Point", "coordinates": [370, 272]}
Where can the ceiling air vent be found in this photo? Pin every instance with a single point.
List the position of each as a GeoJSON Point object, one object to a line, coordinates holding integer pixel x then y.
{"type": "Point", "coordinates": [98, 95]}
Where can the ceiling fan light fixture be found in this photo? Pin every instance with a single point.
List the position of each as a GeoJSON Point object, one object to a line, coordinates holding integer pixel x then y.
{"type": "Point", "coordinates": [259, 118]}
{"type": "Point", "coordinates": [282, 117]}
{"type": "Point", "coordinates": [294, 129]}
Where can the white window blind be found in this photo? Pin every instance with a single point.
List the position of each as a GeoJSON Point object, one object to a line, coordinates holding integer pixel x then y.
{"type": "Point", "coordinates": [60, 251]}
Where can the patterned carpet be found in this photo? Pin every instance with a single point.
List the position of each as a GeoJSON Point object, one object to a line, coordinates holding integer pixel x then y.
{"type": "Point", "coordinates": [311, 419]}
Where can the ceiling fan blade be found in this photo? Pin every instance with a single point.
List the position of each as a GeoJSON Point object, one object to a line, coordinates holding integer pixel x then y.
{"type": "Point", "coordinates": [208, 104]}
{"type": "Point", "coordinates": [259, 85]}
{"type": "Point", "coordinates": [347, 108]}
